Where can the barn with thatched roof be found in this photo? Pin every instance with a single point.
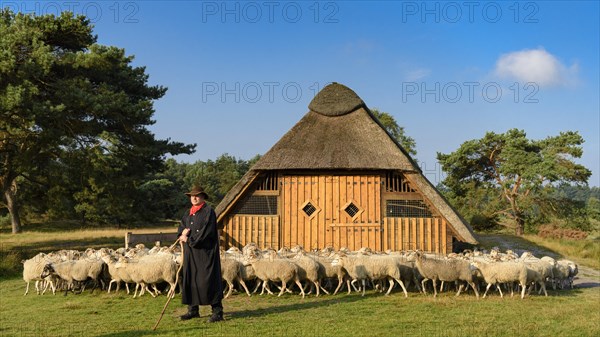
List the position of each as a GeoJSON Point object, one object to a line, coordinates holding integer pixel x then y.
{"type": "Point", "coordinates": [337, 178]}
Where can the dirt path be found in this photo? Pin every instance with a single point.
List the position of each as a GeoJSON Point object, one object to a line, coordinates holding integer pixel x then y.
{"type": "Point", "coordinates": [586, 278]}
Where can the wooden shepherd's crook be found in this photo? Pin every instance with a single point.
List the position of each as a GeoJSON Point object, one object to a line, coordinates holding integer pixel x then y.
{"type": "Point", "coordinates": [176, 282]}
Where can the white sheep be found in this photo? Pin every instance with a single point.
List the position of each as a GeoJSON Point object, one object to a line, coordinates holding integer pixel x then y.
{"type": "Point", "coordinates": [32, 271]}
{"type": "Point", "coordinates": [117, 275]}
{"type": "Point", "coordinates": [309, 269]}
{"type": "Point", "coordinates": [573, 270]}
{"type": "Point", "coordinates": [502, 272]}
{"type": "Point", "coordinates": [354, 267]}
{"type": "Point", "coordinates": [151, 270]}
{"type": "Point", "coordinates": [332, 271]}
{"type": "Point", "coordinates": [274, 269]}
{"type": "Point", "coordinates": [75, 271]}
{"type": "Point", "coordinates": [231, 271]}
{"type": "Point", "coordinates": [446, 270]}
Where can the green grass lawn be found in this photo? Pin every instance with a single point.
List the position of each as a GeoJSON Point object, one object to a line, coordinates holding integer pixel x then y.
{"type": "Point", "coordinates": [565, 313]}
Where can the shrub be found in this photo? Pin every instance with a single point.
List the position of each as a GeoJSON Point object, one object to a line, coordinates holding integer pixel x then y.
{"type": "Point", "coordinates": [481, 223]}
{"type": "Point", "coordinates": [555, 232]}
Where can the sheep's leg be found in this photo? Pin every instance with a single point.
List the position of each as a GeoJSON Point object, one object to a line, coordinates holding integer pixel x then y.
{"type": "Point", "coordinates": [423, 285]}
{"type": "Point", "coordinates": [110, 285]}
{"type": "Point", "coordinates": [391, 285]}
{"type": "Point", "coordinates": [340, 283]}
{"type": "Point", "coordinates": [230, 285]}
{"type": "Point", "coordinates": [442, 287]}
{"type": "Point", "coordinates": [435, 287]}
{"type": "Point", "coordinates": [460, 288]}
{"type": "Point", "coordinates": [302, 290]}
{"type": "Point", "coordinates": [354, 286]}
{"type": "Point", "coordinates": [306, 286]}
{"type": "Point", "coordinates": [137, 285]}
{"type": "Point", "coordinates": [127, 287]}
{"type": "Point", "coordinates": [266, 287]}
{"type": "Point", "coordinates": [37, 286]}
{"type": "Point", "coordinates": [258, 284]}
{"type": "Point", "coordinates": [500, 290]}
{"type": "Point", "coordinates": [284, 285]}
{"type": "Point", "coordinates": [48, 283]}
{"type": "Point", "coordinates": [244, 286]}
{"type": "Point", "coordinates": [53, 287]}
{"type": "Point", "coordinates": [27, 288]}
{"type": "Point", "coordinates": [472, 284]}
{"type": "Point", "coordinates": [543, 287]}
{"type": "Point", "coordinates": [324, 290]}
{"type": "Point", "coordinates": [486, 289]}
{"type": "Point", "coordinates": [262, 288]}
{"type": "Point", "coordinates": [318, 286]}
{"type": "Point", "coordinates": [523, 290]}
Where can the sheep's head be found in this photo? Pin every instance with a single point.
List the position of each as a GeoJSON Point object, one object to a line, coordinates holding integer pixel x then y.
{"type": "Point", "coordinates": [48, 270]}
{"type": "Point", "coordinates": [337, 259]}
{"type": "Point", "coordinates": [365, 250]}
{"type": "Point", "coordinates": [233, 250]}
{"type": "Point", "coordinates": [297, 248]}
{"type": "Point", "coordinates": [327, 250]}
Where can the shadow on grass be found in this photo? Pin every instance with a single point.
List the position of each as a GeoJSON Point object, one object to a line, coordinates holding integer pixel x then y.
{"type": "Point", "coordinates": [134, 333]}
{"type": "Point", "coordinates": [293, 307]}
{"type": "Point", "coordinates": [586, 285]}
{"type": "Point", "coordinates": [70, 225]}
{"type": "Point", "coordinates": [240, 314]}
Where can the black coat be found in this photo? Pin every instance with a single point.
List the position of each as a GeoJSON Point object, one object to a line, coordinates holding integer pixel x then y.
{"type": "Point", "coordinates": [201, 271]}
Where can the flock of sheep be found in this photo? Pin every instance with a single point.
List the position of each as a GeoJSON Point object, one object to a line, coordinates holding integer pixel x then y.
{"type": "Point", "coordinates": [325, 270]}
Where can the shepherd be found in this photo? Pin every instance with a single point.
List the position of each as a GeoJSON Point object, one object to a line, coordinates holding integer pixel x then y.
{"type": "Point", "coordinates": [201, 271]}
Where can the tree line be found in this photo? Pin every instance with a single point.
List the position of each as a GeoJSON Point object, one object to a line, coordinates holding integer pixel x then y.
{"type": "Point", "coordinates": [75, 144]}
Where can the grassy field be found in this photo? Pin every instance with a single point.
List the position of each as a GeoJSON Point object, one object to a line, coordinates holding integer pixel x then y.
{"type": "Point", "coordinates": [565, 313]}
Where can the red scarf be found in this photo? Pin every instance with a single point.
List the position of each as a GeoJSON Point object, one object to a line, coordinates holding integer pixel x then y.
{"type": "Point", "coordinates": [196, 208]}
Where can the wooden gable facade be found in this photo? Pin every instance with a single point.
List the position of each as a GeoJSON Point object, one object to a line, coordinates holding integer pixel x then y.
{"type": "Point", "coordinates": [379, 210]}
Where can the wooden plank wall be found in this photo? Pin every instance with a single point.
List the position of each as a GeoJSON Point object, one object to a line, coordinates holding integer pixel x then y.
{"type": "Point", "coordinates": [427, 234]}
{"type": "Point", "coordinates": [240, 230]}
{"type": "Point", "coordinates": [331, 226]}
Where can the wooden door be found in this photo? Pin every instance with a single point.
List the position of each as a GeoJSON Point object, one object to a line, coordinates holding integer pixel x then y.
{"type": "Point", "coordinates": [331, 210]}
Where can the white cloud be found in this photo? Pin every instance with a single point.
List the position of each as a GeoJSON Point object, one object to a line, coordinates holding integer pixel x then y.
{"type": "Point", "coordinates": [535, 65]}
{"type": "Point", "coordinates": [417, 74]}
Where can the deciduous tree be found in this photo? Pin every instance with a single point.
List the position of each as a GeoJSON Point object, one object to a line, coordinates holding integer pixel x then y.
{"type": "Point", "coordinates": [516, 167]}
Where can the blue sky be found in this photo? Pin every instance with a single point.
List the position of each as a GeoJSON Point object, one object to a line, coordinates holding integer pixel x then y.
{"type": "Point", "coordinates": [241, 74]}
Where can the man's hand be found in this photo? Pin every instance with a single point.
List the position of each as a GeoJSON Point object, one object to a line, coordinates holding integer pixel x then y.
{"type": "Point", "coordinates": [184, 235]}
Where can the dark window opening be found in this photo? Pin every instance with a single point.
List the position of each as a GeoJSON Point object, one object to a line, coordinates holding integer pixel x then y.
{"type": "Point", "coordinates": [351, 209]}
{"type": "Point", "coordinates": [309, 209]}
{"type": "Point", "coordinates": [407, 209]}
{"type": "Point", "coordinates": [258, 205]}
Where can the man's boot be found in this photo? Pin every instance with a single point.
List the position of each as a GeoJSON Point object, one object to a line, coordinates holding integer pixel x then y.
{"type": "Point", "coordinates": [193, 312]}
{"type": "Point", "coordinates": [217, 313]}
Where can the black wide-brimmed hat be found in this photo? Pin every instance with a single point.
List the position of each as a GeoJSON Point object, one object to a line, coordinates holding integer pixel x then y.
{"type": "Point", "coordinates": [197, 190]}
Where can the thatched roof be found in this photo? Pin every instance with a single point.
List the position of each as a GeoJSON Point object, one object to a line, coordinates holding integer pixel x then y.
{"type": "Point", "coordinates": [340, 133]}
{"type": "Point", "coordinates": [423, 185]}
{"type": "Point", "coordinates": [335, 100]}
